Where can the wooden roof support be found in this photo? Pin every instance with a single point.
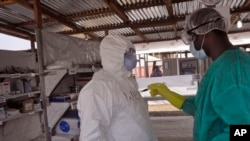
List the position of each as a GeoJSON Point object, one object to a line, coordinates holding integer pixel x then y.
{"type": "Point", "coordinates": [178, 38]}
{"type": "Point", "coordinates": [169, 7]}
{"type": "Point", "coordinates": [6, 2]}
{"type": "Point", "coordinates": [236, 16]}
{"type": "Point", "coordinates": [234, 19]}
{"type": "Point", "coordinates": [124, 25]}
{"type": "Point", "coordinates": [38, 19]}
{"type": "Point", "coordinates": [13, 31]}
{"type": "Point", "coordinates": [175, 30]}
{"type": "Point", "coordinates": [71, 16]}
{"type": "Point", "coordinates": [150, 4]}
{"type": "Point", "coordinates": [57, 18]}
{"type": "Point", "coordinates": [30, 6]}
{"type": "Point", "coordinates": [118, 10]}
{"type": "Point", "coordinates": [14, 34]}
{"type": "Point", "coordinates": [106, 32]}
{"type": "Point", "coordinates": [132, 6]}
{"type": "Point", "coordinates": [38, 14]}
{"type": "Point", "coordinates": [246, 4]}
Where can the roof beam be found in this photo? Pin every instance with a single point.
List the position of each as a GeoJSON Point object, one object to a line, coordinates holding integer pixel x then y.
{"type": "Point", "coordinates": [53, 16]}
{"type": "Point", "coordinates": [38, 14]}
{"type": "Point", "coordinates": [234, 19]}
{"type": "Point", "coordinates": [163, 22]}
{"type": "Point", "coordinates": [13, 31]}
{"type": "Point", "coordinates": [118, 10]}
{"type": "Point", "coordinates": [236, 15]}
{"type": "Point", "coordinates": [178, 38]}
{"type": "Point", "coordinates": [44, 11]}
{"type": "Point", "coordinates": [130, 7]}
{"type": "Point", "coordinates": [169, 7]}
{"type": "Point", "coordinates": [151, 32]}
{"type": "Point", "coordinates": [71, 16]}
{"type": "Point", "coordinates": [246, 4]}
{"type": "Point", "coordinates": [180, 29]}
{"type": "Point", "coordinates": [6, 2]}
{"type": "Point", "coordinates": [66, 22]}
{"type": "Point", "coordinates": [150, 4]}
{"type": "Point", "coordinates": [57, 18]}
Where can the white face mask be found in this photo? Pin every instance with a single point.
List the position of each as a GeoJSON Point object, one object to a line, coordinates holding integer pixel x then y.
{"type": "Point", "coordinates": [200, 54]}
{"type": "Point", "coordinates": [130, 61]}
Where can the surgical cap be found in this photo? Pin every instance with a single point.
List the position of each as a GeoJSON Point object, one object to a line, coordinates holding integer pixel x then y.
{"type": "Point", "coordinates": [201, 22]}
{"type": "Point", "coordinates": [210, 16]}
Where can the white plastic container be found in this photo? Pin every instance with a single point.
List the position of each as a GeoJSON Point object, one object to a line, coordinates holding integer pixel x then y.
{"type": "Point", "coordinates": [6, 87]}
{"type": "Point", "coordinates": [1, 89]}
{"type": "Point", "coordinates": [63, 137]}
{"type": "Point", "coordinates": [2, 113]}
{"type": "Point", "coordinates": [69, 126]}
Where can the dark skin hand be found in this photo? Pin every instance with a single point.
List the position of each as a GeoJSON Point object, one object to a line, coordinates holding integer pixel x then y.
{"type": "Point", "coordinates": [215, 43]}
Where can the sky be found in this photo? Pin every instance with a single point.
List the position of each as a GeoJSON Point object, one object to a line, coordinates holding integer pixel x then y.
{"type": "Point", "coordinates": [13, 43]}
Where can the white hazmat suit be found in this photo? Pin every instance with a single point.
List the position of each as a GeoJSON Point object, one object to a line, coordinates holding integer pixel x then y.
{"type": "Point", "coordinates": [110, 106]}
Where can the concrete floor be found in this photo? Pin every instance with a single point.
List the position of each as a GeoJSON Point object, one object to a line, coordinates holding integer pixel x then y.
{"type": "Point", "coordinates": [173, 128]}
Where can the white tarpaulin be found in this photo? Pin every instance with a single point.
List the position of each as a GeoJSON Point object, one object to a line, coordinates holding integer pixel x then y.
{"type": "Point", "coordinates": [63, 51]}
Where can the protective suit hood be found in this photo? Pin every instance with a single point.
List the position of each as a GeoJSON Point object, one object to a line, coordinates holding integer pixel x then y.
{"type": "Point", "coordinates": [112, 50]}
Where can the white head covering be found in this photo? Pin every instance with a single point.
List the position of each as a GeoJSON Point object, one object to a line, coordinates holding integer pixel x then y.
{"type": "Point", "coordinates": [210, 16]}
{"type": "Point", "coordinates": [112, 50]}
{"type": "Point", "coordinates": [201, 22]}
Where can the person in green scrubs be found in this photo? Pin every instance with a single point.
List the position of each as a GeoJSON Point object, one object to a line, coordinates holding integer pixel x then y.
{"type": "Point", "coordinates": [223, 96]}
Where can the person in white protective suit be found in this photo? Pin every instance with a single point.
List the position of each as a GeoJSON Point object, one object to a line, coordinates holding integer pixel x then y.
{"type": "Point", "coordinates": [110, 106]}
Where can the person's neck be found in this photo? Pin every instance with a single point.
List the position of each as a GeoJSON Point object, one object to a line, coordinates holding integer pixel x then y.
{"type": "Point", "coordinates": [220, 49]}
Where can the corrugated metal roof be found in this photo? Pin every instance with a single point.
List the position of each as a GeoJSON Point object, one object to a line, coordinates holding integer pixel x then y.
{"type": "Point", "coordinates": [139, 20]}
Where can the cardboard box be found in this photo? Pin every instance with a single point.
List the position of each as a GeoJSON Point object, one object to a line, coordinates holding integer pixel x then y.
{"type": "Point", "coordinates": [24, 106]}
{"type": "Point", "coordinates": [27, 106]}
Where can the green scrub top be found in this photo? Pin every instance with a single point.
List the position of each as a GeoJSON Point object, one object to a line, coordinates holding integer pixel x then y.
{"type": "Point", "coordinates": [223, 97]}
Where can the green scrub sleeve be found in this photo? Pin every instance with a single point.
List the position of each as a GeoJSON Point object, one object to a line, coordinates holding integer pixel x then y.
{"type": "Point", "coordinates": [232, 106]}
{"type": "Point", "coordinates": [188, 105]}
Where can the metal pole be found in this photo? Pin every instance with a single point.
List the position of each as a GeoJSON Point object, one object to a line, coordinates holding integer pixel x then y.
{"type": "Point", "coordinates": [178, 63]}
{"type": "Point", "coordinates": [146, 64]}
{"type": "Point", "coordinates": [42, 83]}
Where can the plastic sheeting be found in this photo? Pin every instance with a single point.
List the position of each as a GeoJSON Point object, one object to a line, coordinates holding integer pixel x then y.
{"type": "Point", "coordinates": [17, 59]}
{"type": "Point", "coordinates": [63, 51]}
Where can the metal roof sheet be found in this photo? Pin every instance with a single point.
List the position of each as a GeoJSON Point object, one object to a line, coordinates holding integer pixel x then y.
{"type": "Point", "coordinates": [140, 20]}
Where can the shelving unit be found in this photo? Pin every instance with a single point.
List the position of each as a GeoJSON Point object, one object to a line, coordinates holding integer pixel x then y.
{"type": "Point", "coordinates": [58, 68]}
{"type": "Point", "coordinates": [18, 75]}
{"type": "Point", "coordinates": [19, 116]}
{"type": "Point", "coordinates": [55, 82]}
{"type": "Point", "coordinates": [29, 94]}
{"type": "Point", "coordinates": [20, 102]}
{"type": "Point", "coordinates": [5, 96]}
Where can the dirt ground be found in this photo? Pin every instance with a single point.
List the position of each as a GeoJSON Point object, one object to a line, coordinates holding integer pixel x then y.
{"type": "Point", "coordinates": [162, 108]}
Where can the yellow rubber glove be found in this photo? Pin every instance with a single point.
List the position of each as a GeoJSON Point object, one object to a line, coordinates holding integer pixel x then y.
{"type": "Point", "coordinates": [175, 99]}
